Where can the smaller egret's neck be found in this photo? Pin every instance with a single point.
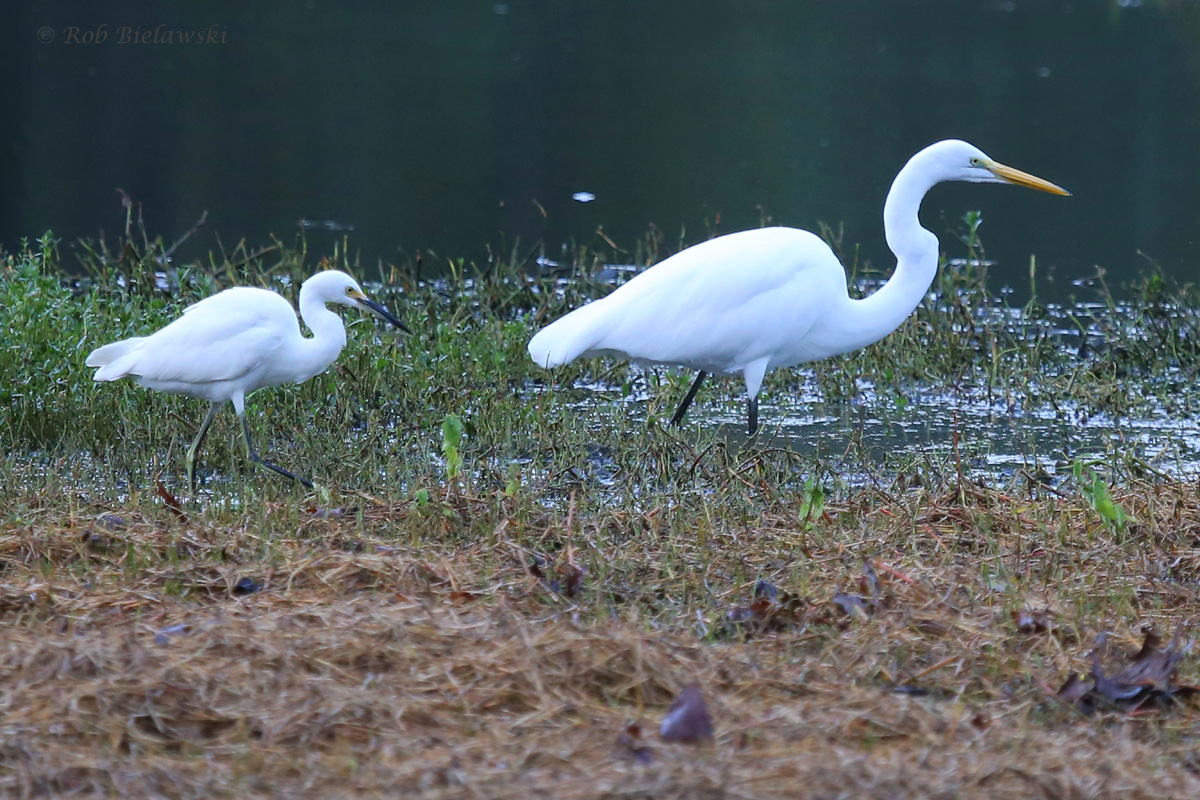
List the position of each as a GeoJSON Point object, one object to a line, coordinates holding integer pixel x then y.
{"type": "Point", "coordinates": [916, 249]}
{"type": "Point", "coordinates": [329, 335]}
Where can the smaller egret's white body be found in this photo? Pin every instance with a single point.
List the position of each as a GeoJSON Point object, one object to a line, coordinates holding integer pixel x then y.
{"type": "Point", "coordinates": [237, 342]}
{"type": "Point", "coordinates": [750, 302]}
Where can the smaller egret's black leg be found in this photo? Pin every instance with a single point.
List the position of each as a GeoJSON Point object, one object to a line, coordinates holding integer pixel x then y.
{"type": "Point", "coordinates": [687, 399]}
{"type": "Point", "coordinates": [257, 459]}
{"type": "Point", "coordinates": [752, 416]}
{"type": "Point", "coordinates": [213, 408]}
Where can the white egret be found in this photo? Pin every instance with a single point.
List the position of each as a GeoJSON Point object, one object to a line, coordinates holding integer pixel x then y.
{"type": "Point", "coordinates": [236, 342]}
{"type": "Point", "coordinates": [753, 301]}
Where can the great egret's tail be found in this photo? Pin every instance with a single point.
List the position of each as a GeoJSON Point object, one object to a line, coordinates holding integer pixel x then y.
{"type": "Point", "coordinates": [114, 360]}
{"type": "Point", "coordinates": [566, 339]}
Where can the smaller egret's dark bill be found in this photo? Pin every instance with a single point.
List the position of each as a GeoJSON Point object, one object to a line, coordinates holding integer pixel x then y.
{"type": "Point", "coordinates": [383, 312]}
{"type": "Point", "coordinates": [1020, 178]}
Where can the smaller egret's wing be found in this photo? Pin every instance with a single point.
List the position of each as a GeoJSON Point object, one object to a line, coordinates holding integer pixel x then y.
{"type": "Point", "coordinates": [221, 338]}
{"type": "Point", "coordinates": [102, 356]}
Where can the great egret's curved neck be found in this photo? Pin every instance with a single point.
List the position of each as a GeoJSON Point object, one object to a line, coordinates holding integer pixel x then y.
{"type": "Point", "coordinates": [329, 334]}
{"type": "Point", "coordinates": [916, 249]}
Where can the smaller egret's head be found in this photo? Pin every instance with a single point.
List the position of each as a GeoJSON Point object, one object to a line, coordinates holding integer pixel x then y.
{"type": "Point", "coordinates": [335, 286]}
{"type": "Point", "coordinates": [960, 161]}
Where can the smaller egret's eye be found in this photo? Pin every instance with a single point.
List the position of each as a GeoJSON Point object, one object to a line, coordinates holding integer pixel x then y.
{"type": "Point", "coordinates": [974, 162]}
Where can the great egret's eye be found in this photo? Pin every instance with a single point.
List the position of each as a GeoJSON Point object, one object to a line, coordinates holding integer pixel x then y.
{"type": "Point", "coordinates": [974, 162]}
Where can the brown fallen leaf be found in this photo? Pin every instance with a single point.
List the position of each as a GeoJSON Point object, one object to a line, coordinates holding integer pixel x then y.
{"type": "Point", "coordinates": [687, 720]}
{"type": "Point", "coordinates": [1153, 666]}
{"type": "Point", "coordinates": [171, 501]}
{"type": "Point", "coordinates": [852, 605]}
{"type": "Point", "coordinates": [1074, 689]}
{"type": "Point", "coordinates": [323, 513]}
{"type": "Point", "coordinates": [630, 743]}
{"type": "Point", "coordinates": [868, 583]}
{"type": "Point", "coordinates": [572, 581]}
{"type": "Point", "coordinates": [771, 609]}
{"type": "Point", "coordinates": [569, 580]}
{"type": "Point", "coordinates": [1147, 680]}
{"type": "Point", "coordinates": [97, 541]}
{"type": "Point", "coordinates": [1030, 622]}
{"type": "Point", "coordinates": [112, 522]}
{"type": "Point", "coordinates": [246, 586]}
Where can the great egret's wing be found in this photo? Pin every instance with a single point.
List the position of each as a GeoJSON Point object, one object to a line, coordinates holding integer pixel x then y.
{"type": "Point", "coordinates": [221, 338]}
{"type": "Point", "coordinates": [716, 306]}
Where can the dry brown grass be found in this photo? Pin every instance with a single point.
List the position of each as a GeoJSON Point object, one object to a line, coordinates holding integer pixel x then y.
{"type": "Point", "coordinates": [394, 651]}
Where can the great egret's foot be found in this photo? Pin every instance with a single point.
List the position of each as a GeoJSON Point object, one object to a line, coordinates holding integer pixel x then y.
{"type": "Point", "coordinates": [752, 417]}
{"type": "Point", "coordinates": [687, 399]}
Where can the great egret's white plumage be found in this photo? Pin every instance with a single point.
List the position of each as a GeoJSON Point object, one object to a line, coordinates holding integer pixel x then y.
{"type": "Point", "coordinates": [236, 342]}
{"type": "Point", "coordinates": [753, 301]}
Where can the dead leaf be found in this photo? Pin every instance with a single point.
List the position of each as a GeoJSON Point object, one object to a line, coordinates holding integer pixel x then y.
{"type": "Point", "coordinates": [112, 522]}
{"type": "Point", "coordinates": [1074, 689]}
{"type": "Point", "coordinates": [164, 636]}
{"type": "Point", "coordinates": [771, 609]}
{"type": "Point", "coordinates": [1153, 666]}
{"type": "Point", "coordinates": [570, 580]}
{"type": "Point", "coordinates": [1029, 622]}
{"type": "Point", "coordinates": [687, 720]}
{"type": "Point", "coordinates": [323, 513]}
{"type": "Point", "coordinates": [630, 742]}
{"type": "Point", "coordinates": [868, 584]}
{"type": "Point", "coordinates": [246, 586]}
{"type": "Point", "coordinates": [171, 501]}
{"type": "Point", "coordinates": [852, 605]}
{"type": "Point", "coordinates": [97, 541]}
{"type": "Point", "coordinates": [763, 590]}
{"type": "Point", "coordinates": [1147, 680]}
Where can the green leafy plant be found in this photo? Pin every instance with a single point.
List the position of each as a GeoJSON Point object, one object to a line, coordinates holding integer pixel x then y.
{"type": "Point", "coordinates": [1096, 492]}
{"type": "Point", "coordinates": [452, 432]}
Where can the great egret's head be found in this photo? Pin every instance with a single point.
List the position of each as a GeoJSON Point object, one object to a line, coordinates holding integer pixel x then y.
{"type": "Point", "coordinates": [960, 161]}
{"type": "Point", "coordinates": [335, 286]}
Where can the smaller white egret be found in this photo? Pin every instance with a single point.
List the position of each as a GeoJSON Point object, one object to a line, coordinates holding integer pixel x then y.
{"type": "Point", "coordinates": [237, 342]}
{"type": "Point", "coordinates": [753, 301]}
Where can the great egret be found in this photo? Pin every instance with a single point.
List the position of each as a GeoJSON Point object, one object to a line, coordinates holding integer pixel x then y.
{"type": "Point", "coordinates": [753, 301]}
{"type": "Point", "coordinates": [236, 342]}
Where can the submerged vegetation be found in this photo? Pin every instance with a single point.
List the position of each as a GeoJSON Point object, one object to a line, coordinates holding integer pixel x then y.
{"type": "Point", "coordinates": [507, 575]}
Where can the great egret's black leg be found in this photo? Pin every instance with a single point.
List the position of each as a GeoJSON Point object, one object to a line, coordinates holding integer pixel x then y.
{"type": "Point", "coordinates": [191, 453]}
{"type": "Point", "coordinates": [752, 415]}
{"type": "Point", "coordinates": [687, 399]}
{"type": "Point", "coordinates": [257, 459]}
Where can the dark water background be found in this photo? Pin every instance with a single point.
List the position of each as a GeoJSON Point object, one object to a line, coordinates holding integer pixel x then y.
{"type": "Point", "coordinates": [443, 126]}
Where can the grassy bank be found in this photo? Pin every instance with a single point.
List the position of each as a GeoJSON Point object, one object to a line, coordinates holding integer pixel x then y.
{"type": "Point", "coordinates": [511, 612]}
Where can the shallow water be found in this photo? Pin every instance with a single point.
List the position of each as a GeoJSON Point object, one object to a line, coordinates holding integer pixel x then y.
{"type": "Point", "coordinates": [998, 433]}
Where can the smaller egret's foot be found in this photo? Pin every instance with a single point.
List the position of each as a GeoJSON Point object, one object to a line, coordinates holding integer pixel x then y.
{"type": "Point", "coordinates": [276, 468]}
{"type": "Point", "coordinates": [687, 400]}
{"type": "Point", "coordinates": [752, 417]}
{"type": "Point", "coordinates": [213, 408]}
{"type": "Point", "coordinates": [257, 459]}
